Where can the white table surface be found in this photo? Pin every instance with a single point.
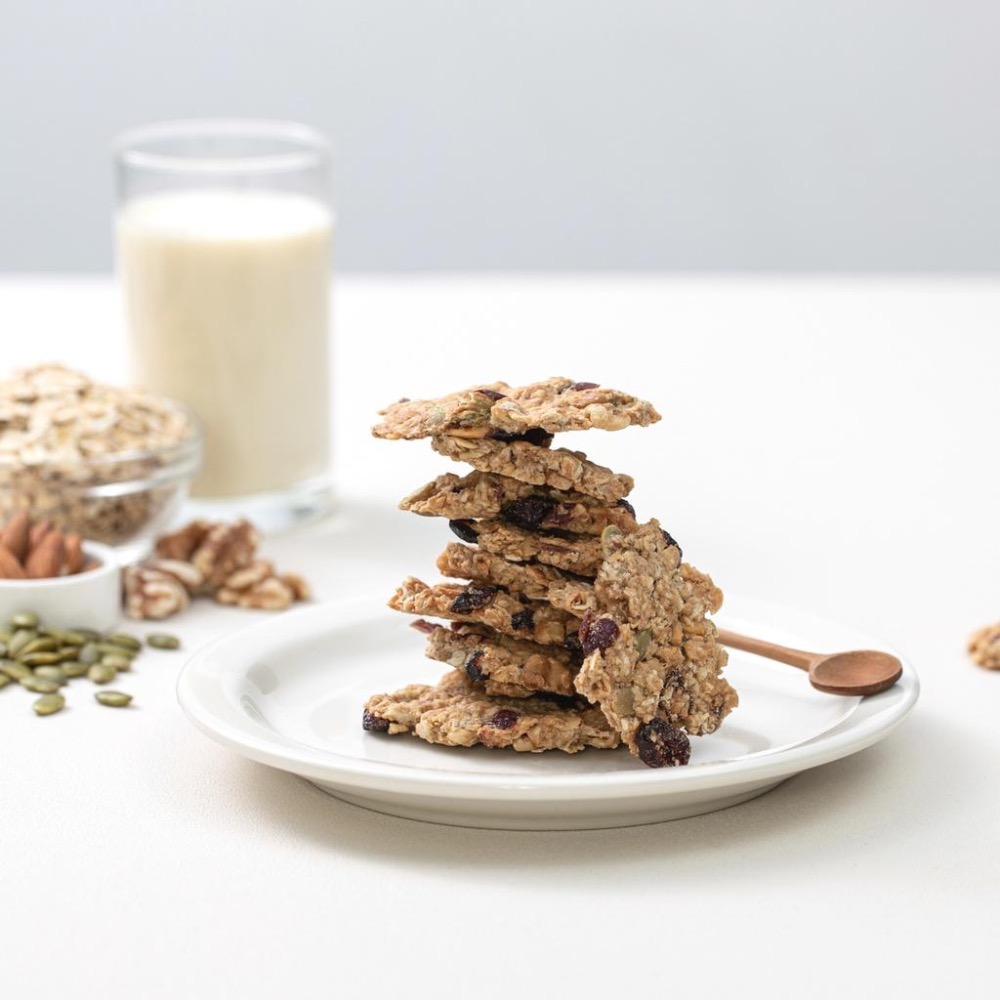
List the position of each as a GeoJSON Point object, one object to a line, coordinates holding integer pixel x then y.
{"type": "Point", "coordinates": [826, 444]}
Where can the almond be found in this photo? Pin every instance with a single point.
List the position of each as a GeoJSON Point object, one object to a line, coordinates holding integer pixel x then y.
{"type": "Point", "coordinates": [47, 557]}
{"type": "Point", "coordinates": [15, 535]}
{"type": "Point", "coordinates": [74, 553]}
{"type": "Point", "coordinates": [10, 568]}
{"type": "Point", "coordinates": [38, 531]}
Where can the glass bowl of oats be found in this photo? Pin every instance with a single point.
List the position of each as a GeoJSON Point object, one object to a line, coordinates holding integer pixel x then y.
{"type": "Point", "coordinates": [110, 463]}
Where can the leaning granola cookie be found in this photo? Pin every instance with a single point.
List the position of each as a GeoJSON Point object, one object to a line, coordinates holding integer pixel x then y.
{"type": "Point", "coordinates": [984, 647]}
{"type": "Point", "coordinates": [559, 468]}
{"type": "Point", "coordinates": [651, 655]}
{"type": "Point", "coordinates": [487, 605]}
{"type": "Point", "coordinates": [557, 404]}
{"type": "Point", "coordinates": [456, 713]}
{"type": "Point", "coordinates": [495, 659]}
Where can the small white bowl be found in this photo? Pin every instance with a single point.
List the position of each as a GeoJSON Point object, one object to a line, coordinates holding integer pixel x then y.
{"type": "Point", "coordinates": [91, 599]}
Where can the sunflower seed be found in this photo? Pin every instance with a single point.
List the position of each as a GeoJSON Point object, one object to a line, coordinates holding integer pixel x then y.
{"type": "Point", "coordinates": [116, 699]}
{"type": "Point", "coordinates": [48, 704]}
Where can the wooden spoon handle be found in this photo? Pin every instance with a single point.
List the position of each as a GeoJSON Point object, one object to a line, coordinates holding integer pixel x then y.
{"type": "Point", "coordinates": [785, 654]}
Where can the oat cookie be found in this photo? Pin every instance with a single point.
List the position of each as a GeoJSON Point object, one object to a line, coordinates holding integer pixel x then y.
{"type": "Point", "coordinates": [487, 605]}
{"type": "Point", "coordinates": [984, 647]}
{"type": "Point", "coordinates": [532, 580]}
{"type": "Point", "coordinates": [485, 655]}
{"type": "Point", "coordinates": [556, 467]}
{"type": "Point", "coordinates": [557, 404]}
{"type": "Point", "coordinates": [650, 652]}
{"type": "Point", "coordinates": [535, 508]}
{"type": "Point", "coordinates": [581, 554]}
{"type": "Point", "coordinates": [455, 712]}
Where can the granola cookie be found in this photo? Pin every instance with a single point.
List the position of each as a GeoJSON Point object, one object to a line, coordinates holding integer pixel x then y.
{"type": "Point", "coordinates": [557, 404]}
{"type": "Point", "coordinates": [984, 647]}
{"type": "Point", "coordinates": [487, 605]}
{"type": "Point", "coordinates": [532, 580]}
{"type": "Point", "coordinates": [502, 663]}
{"type": "Point", "coordinates": [559, 468]}
{"type": "Point", "coordinates": [455, 712]}
{"type": "Point", "coordinates": [650, 652]}
{"type": "Point", "coordinates": [486, 495]}
{"type": "Point", "coordinates": [581, 554]}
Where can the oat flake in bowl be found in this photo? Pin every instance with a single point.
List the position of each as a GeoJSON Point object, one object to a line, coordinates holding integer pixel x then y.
{"type": "Point", "coordinates": [110, 463]}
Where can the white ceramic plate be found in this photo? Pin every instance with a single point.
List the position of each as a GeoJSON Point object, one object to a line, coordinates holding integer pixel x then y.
{"type": "Point", "coordinates": [289, 693]}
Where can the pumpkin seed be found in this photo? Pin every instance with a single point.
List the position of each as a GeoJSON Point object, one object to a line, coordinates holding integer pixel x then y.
{"type": "Point", "coordinates": [51, 674]}
{"type": "Point", "coordinates": [161, 640]}
{"type": "Point", "coordinates": [25, 619]}
{"type": "Point", "coordinates": [68, 654]}
{"type": "Point", "coordinates": [19, 640]}
{"type": "Point", "coordinates": [43, 644]}
{"type": "Point", "coordinates": [15, 671]}
{"type": "Point", "coordinates": [88, 653]}
{"type": "Point", "coordinates": [4, 681]}
{"type": "Point", "coordinates": [39, 685]}
{"type": "Point", "coordinates": [116, 699]}
{"type": "Point", "coordinates": [89, 634]}
{"type": "Point", "coordinates": [101, 673]}
{"type": "Point", "coordinates": [116, 661]}
{"type": "Point", "coordinates": [110, 649]}
{"type": "Point", "coordinates": [125, 640]}
{"type": "Point", "coordinates": [48, 704]}
{"type": "Point", "coordinates": [5, 634]}
{"type": "Point", "coordinates": [39, 659]}
{"type": "Point", "coordinates": [74, 669]}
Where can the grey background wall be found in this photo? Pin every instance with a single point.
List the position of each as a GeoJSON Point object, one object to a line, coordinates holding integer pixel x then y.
{"type": "Point", "coordinates": [539, 134]}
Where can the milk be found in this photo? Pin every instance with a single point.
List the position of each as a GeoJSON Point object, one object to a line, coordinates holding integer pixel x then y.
{"type": "Point", "coordinates": [227, 301]}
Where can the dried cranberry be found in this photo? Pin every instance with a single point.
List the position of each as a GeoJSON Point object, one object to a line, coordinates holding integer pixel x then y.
{"type": "Point", "coordinates": [537, 436]}
{"type": "Point", "coordinates": [472, 598]}
{"type": "Point", "coordinates": [504, 718]}
{"type": "Point", "coordinates": [492, 394]}
{"type": "Point", "coordinates": [659, 744]}
{"type": "Point", "coordinates": [523, 620]}
{"type": "Point", "coordinates": [671, 541]}
{"type": "Point", "coordinates": [580, 386]}
{"type": "Point", "coordinates": [374, 723]}
{"type": "Point", "coordinates": [465, 530]}
{"type": "Point", "coordinates": [597, 633]}
{"type": "Point", "coordinates": [527, 512]}
{"type": "Point", "coordinates": [472, 670]}
{"type": "Point", "coordinates": [421, 625]}
{"type": "Point", "coordinates": [625, 505]}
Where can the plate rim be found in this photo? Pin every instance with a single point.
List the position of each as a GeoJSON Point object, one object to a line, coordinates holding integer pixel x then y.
{"type": "Point", "coordinates": [873, 719]}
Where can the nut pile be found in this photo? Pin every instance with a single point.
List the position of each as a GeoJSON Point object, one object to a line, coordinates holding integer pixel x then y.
{"type": "Point", "coordinates": [63, 437]}
{"type": "Point", "coordinates": [984, 647]}
{"type": "Point", "coordinates": [205, 559]}
{"type": "Point", "coordinates": [579, 626]}
{"type": "Point", "coordinates": [43, 660]}
{"type": "Point", "coordinates": [38, 550]}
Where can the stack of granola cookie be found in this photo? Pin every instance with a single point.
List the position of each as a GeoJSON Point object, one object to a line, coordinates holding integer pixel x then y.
{"type": "Point", "coordinates": [578, 626]}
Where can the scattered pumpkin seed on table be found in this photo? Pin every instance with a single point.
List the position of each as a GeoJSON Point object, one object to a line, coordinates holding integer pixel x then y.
{"type": "Point", "coordinates": [101, 673]}
{"type": "Point", "coordinates": [49, 704]}
{"type": "Point", "coordinates": [161, 640]}
{"type": "Point", "coordinates": [115, 699]}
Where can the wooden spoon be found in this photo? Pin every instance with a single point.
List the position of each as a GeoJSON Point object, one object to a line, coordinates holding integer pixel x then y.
{"type": "Point", "coordinates": [860, 672]}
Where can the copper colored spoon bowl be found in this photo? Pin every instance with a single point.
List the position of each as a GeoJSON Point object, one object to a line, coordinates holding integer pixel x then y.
{"type": "Point", "coordinates": [859, 672]}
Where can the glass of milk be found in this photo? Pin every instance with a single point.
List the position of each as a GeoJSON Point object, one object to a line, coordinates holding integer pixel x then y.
{"type": "Point", "coordinates": [224, 232]}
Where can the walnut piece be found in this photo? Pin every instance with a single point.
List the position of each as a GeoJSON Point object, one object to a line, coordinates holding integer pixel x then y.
{"type": "Point", "coordinates": [225, 549]}
{"type": "Point", "coordinates": [150, 593]}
